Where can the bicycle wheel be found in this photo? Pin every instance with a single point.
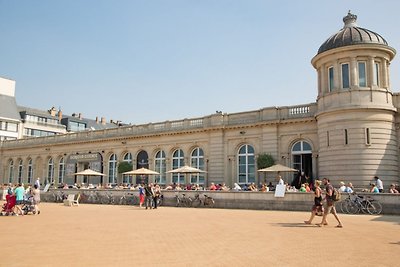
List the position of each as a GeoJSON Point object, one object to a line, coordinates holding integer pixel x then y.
{"type": "Point", "coordinates": [178, 201]}
{"type": "Point", "coordinates": [189, 202]}
{"type": "Point", "coordinates": [196, 203]}
{"type": "Point", "coordinates": [159, 201]}
{"type": "Point", "coordinates": [352, 208]}
{"type": "Point", "coordinates": [344, 204]}
{"type": "Point", "coordinates": [374, 207]}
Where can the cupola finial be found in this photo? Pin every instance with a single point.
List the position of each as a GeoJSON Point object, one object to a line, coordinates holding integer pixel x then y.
{"type": "Point", "coordinates": [350, 20]}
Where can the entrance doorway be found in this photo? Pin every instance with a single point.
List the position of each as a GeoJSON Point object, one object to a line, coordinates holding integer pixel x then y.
{"type": "Point", "coordinates": [302, 158]}
{"type": "Point", "coordinates": [142, 161]}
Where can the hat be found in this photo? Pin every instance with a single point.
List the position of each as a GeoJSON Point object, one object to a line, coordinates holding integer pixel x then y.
{"type": "Point", "coordinates": [342, 183]}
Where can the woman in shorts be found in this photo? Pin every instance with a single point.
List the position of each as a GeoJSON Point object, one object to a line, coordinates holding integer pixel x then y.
{"type": "Point", "coordinates": [317, 208]}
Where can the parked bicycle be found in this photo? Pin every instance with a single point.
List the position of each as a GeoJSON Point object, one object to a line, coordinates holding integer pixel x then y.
{"type": "Point", "coordinates": [108, 199]}
{"type": "Point", "coordinates": [183, 201]}
{"type": "Point", "coordinates": [354, 204]}
{"type": "Point", "coordinates": [129, 199]}
{"type": "Point", "coordinates": [206, 201]}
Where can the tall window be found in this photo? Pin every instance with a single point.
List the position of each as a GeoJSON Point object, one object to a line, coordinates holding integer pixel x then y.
{"type": "Point", "coordinates": [331, 79]}
{"type": "Point", "coordinates": [20, 171]}
{"type": "Point", "coordinates": [160, 167]}
{"type": "Point", "coordinates": [362, 74]}
{"type": "Point", "coordinates": [345, 76]}
{"type": "Point", "coordinates": [302, 157]}
{"type": "Point", "coordinates": [10, 171]}
{"type": "Point", "coordinates": [127, 179]}
{"type": "Point", "coordinates": [30, 171]}
{"type": "Point", "coordinates": [112, 169]}
{"type": "Point", "coordinates": [376, 73]}
{"type": "Point", "coordinates": [246, 165]}
{"type": "Point", "coordinates": [50, 171]}
{"type": "Point", "coordinates": [197, 161]}
{"type": "Point", "coordinates": [346, 137]}
{"type": "Point", "coordinates": [177, 162]}
{"type": "Point", "coordinates": [61, 171]}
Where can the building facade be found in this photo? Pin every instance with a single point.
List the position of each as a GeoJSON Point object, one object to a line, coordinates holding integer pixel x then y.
{"type": "Point", "coordinates": [350, 133]}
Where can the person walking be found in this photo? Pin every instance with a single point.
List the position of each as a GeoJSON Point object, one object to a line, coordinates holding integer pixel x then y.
{"type": "Point", "coordinates": [149, 194]}
{"type": "Point", "coordinates": [141, 195]}
{"type": "Point", "coordinates": [35, 192]}
{"type": "Point", "coordinates": [157, 195]}
{"type": "Point", "coordinates": [317, 207]}
{"type": "Point", "coordinates": [19, 197]}
{"type": "Point", "coordinates": [330, 205]}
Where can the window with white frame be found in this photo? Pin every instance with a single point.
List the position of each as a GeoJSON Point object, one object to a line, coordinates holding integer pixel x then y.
{"type": "Point", "coordinates": [50, 171]}
{"type": "Point", "coordinates": [160, 167]}
{"type": "Point", "coordinates": [10, 171]}
{"type": "Point", "coordinates": [331, 83]}
{"type": "Point", "coordinates": [127, 179]}
{"type": "Point", "coordinates": [362, 74]}
{"type": "Point", "coordinates": [112, 169]}
{"type": "Point", "coordinates": [246, 165]}
{"type": "Point", "coordinates": [20, 168]}
{"type": "Point", "coordinates": [376, 73]}
{"type": "Point", "coordinates": [177, 162]}
{"type": "Point", "coordinates": [197, 161]}
{"type": "Point", "coordinates": [30, 171]}
{"type": "Point", "coordinates": [61, 171]}
{"type": "Point", "coordinates": [345, 76]}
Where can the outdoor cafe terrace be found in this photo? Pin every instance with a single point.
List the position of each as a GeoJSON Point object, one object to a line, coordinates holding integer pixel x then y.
{"type": "Point", "coordinates": [269, 115]}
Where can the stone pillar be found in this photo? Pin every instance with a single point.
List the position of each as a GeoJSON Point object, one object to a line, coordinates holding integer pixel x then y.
{"type": "Point", "coordinates": [370, 72]}
{"type": "Point", "coordinates": [353, 73]}
{"type": "Point", "coordinates": [384, 75]}
{"type": "Point", "coordinates": [336, 73]}
{"type": "Point", "coordinates": [323, 82]}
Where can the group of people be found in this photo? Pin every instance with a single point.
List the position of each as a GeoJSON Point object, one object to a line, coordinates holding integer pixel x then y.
{"type": "Point", "coordinates": [150, 195]}
{"type": "Point", "coordinates": [22, 195]}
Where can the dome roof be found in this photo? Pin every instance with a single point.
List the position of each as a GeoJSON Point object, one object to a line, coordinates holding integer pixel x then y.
{"type": "Point", "coordinates": [351, 34]}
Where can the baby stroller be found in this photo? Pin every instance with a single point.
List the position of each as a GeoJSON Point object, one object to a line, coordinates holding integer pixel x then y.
{"type": "Point", "coordinates": [8, 207]}
{"type": "Point", "coordinates": [28, 206]}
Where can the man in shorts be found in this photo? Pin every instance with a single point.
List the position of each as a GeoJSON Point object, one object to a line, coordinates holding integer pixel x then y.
{"type": "Point", "coordinates": [19, 197]}
{"type": "Point", "coordinates": [330, 204]}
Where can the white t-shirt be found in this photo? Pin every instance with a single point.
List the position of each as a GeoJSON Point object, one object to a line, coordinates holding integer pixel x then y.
{"type": "Point", "coordinates": [379, 184]}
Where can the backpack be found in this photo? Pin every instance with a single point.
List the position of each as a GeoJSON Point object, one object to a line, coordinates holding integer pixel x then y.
{"type": "Point", "coordinates": [336, 195]}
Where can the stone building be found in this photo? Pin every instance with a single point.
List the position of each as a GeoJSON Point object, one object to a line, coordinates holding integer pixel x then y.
{"type": "Point", "coordinates": [350, 133]}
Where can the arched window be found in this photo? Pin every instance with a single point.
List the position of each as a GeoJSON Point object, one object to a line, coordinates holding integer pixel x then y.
{"type": "Point", "coordinates": [61, 171]}
{"type": "Point", "coordinates": [30, 171]}
{"type": "Point", "coordinates": [20, 171]}
{"type": "Point", "coordinates": [197, 161]}
{"type": "Point", "coordinates": [50, 171]}
{"type": "Point", "coordinates": [246, 165]}
{"type": "Point", "coordinates": [10, 171]}
{"type": "Point", "coordinates": [127, 179]}
{"type": "Point", "coordinates": [160, 167]}
{"type": "Point", "coordinates": [302, 157]}
{"type": "Point", "coordinates": [177, 162]}
{"type": "Point", "coordinates": [112, 169]}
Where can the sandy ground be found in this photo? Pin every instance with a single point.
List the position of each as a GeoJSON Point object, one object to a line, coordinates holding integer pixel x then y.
{"type": "Point", "coordinates": [100, 235]}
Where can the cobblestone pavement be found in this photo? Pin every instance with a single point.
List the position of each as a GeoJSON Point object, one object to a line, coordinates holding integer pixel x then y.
{"type": "Point", "coordinates": [100, 235]}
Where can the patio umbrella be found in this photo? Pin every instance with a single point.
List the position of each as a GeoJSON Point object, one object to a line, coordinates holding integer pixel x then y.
{"type": "Point", "coordinates": [141, 171]}
{"type": "Point", "coordinates": [89, 172]}
{"type": "Point", "coordinates": [278, 168]}
{"type": "Point", "coordinates": [186, 170]}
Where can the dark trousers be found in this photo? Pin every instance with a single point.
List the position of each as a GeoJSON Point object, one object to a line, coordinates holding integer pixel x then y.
{"type": "Point", "coordinates": [155, 199]}
{"type": "Point", "coordinates": [148, 200]}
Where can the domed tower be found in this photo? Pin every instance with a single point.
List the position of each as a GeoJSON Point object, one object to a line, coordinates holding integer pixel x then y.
{"type": "Point", "coordinates": [356, 116]}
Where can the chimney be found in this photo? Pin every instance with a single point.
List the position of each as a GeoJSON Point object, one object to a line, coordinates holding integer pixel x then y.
{"type": "Point", "coordinates": [80, 116]}
{"type": "Point", "coordinates": [97, 119]}
{"type": "Point", "coordinates": [59, 115]}
{"type": "Point", "coordinates": [103, 120]}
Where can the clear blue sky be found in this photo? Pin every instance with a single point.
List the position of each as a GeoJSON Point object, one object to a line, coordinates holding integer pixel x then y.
{"type": "Point", "coordinates": [155, 60]}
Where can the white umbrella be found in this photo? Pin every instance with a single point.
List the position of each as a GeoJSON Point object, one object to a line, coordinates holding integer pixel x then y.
{"type": "Point", "coordinates": [187, 170]}
{"type": "Point", "coordinates": [141, 171]}
{"type": "Point", "coordinates": [278, 168]}
{"type": "Point", "coordinates": [89, 172]}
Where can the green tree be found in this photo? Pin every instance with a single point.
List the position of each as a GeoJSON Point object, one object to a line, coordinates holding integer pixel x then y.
{"type": "Point", "coordinates": [264, 161]}
{"type": "Point", "coordinates": [124, 166]}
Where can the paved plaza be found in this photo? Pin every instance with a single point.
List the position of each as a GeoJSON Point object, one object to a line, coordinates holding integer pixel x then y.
{"type": "Point", "coordinates": [100, 235]}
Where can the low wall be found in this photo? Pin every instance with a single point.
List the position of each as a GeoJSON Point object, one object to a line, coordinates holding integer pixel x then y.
{"type": "Point", "coordinates": [293, 201]}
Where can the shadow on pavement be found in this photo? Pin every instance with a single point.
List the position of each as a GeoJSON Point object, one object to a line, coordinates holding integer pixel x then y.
{"type": "Point", "coordinates": [387, 218]}
{"type": "Point", "coordinates": [294, 225]}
